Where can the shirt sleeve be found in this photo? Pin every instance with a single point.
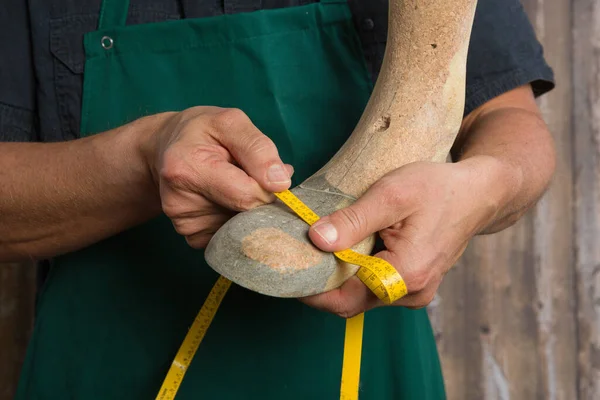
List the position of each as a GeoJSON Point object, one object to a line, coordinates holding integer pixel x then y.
{"type": "Point", "coordinates": [17, 83]}
{"type": "Point", "coordinates": [504, 53]}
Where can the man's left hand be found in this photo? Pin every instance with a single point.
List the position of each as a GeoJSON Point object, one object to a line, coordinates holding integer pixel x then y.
{"type": "Point", "coordinates": [425, 213]}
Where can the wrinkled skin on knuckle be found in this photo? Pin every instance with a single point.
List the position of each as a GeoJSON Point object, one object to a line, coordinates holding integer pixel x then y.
{"type": "Point", "coordinates": [417, 280]}
{"type": "Point", "coordinates": [331, 302]}
{"type": "Point", "coordinates": [192, 112]}
{"type": "Point", "coordinates": [185, 226]}
{"type": "Point", "coordinates": [171, 210]}
{"type": "Point", "coordinates": [245, 201]}
{"type": "Point", "coordinates": [259, 144]}
{"type": "Point", "coordinates": [228, 119]}
{"type": "Point", "coordinates": [178, 182]}
{"type": "Point", "coordinates": [352, 219]}
{"type": "Point", "coordinates": [427, 299]}
{"type": "Point", "coordinates": [345, 314]}
{"type": "Point", "coordinates": [173, 169]}
{"type": "Point", "coordinates": [198, 241]}
{"type": "Point", "coordinates": [173, 177]}
{"type": "Point", "coordinates": [340, 309]}
{"type": "Point", "coordinates": [176, 207]}
{"type": "Point", "coordinates": [182, 164]}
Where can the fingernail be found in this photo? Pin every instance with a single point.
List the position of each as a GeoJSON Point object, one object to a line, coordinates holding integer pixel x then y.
{"type": "Point", "coordinates": [276, 174]}
{"type": "Point", "coordinates": [327, 232]}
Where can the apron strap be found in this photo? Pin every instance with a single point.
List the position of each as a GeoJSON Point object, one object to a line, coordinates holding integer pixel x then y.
{"type": "Point", "coordinates": [113, 13]}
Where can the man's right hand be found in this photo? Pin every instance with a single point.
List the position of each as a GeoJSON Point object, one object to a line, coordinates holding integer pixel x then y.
{"type": "Point", "coordinates": [210, 162]}
{"type": "Point", "coordinates": [198, 166]}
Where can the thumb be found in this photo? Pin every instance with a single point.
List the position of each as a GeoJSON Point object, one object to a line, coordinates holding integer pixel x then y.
{"type": "Point", "coordinates": [348, 226]}
{"type": "Point", "coordinates": [252, 149]}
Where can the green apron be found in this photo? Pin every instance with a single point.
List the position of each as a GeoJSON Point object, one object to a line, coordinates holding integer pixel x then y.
{"type": "Point", "coordinates": [112, 316]}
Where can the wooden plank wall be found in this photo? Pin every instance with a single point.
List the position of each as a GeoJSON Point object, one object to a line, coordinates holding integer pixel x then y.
{"type": "Point", "coordinates": [586, 118]}
{"type": "Point", "coordinates": [519, 316]}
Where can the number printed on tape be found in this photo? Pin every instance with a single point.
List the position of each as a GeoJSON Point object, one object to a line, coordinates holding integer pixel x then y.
{"type": "Point", "coordinates": [376, 273]}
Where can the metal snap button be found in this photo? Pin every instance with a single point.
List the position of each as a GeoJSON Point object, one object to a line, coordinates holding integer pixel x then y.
{"type": "Point", "coordinates": [368, 24]}
{"type": "Point", "coordinates": [107, 42]}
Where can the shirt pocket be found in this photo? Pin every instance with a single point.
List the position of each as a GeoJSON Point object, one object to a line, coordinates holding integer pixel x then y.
{"type": "Point", "coordinates": [66, 46]}
{"type": "Point", "coordinates": [68, 60]}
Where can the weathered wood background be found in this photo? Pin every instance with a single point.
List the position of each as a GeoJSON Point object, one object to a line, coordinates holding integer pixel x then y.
{"type": "Point", "coordinates": [519, 316]}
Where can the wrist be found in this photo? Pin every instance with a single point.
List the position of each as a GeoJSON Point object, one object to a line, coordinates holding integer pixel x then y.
{"type": "Point", "coordinates": [493, 183]}
{"type": "Point", "coordinates": [138, 141]}
{"type": "Point", "coordinates": [149, 133]}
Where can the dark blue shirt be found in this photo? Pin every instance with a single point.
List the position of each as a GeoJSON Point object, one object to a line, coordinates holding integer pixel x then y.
{"type": "Point", "coordinates": [41, 68]}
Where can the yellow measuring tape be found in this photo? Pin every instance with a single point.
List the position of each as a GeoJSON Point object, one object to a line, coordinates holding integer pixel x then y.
{"type": "Point", "coordinates": [192, 340]}
{"type": "Point", "coordinates": [377, 274]}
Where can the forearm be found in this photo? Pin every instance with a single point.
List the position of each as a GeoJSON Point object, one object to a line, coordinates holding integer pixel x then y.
{"type": "Point", "coordinates": [511, 152]}
{"type": "Point", "coordinates": [58, 197]}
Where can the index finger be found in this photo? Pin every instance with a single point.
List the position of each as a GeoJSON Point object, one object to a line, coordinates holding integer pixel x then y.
{"type": "Point", "coordinates": [255, 152]}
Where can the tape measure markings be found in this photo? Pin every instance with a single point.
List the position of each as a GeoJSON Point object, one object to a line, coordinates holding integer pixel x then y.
{"type": "Point", "coordinates": [376, 273]}
{"type": "Point", "coordinates": [193, 339]}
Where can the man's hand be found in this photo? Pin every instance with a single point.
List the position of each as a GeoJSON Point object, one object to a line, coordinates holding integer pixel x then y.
{"type": "Point", "coordinates": [198, 166]}
{"type": "Point", "coordinates": [427, 213]}
{"type": "Point", "coordinates": [210, 162]}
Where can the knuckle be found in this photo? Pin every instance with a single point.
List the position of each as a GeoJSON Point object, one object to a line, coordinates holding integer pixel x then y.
{"type": "Point", "coordinates": [425, 300]}
{"type": "Point", "coordinates": [174, 176]}
{"type": "Point", "coordinates": [257, 144]}
{"type": "Point", "coordinates": [337, 306]}
{"type": "Point", "coordinates": [171, 211]}
{"type": "Point", "coordinates": [173, 169]}
{"type": "Point", "coordinates": [418, 281]}
{"type": "Point", "coordinates": [174, 208]}
{"type": "Point", "coordinates": [354, 219]}
{"type": "Point", "coordinates": [228, 118]}
{"type": "Point", "coordinates": [341, 310]}
{"type": "Point", "coordinates": [245, 201]}
{"type": "Point", "coordinates": [198, 241]}
{"type": "Point", "coordinates": [183, 227]}
{"type": "Point", "coordinates": [344, 314]}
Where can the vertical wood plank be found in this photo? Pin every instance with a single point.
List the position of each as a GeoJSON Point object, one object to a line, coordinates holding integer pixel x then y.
{"type": "Point", "coordinates": [17, 298]}
{"type": "Point", "coordinates": [509, 349]}
{"type": "Point", "coordinates": [586, 75]}
{"type": "Point", "coordinates": [553, 245]}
